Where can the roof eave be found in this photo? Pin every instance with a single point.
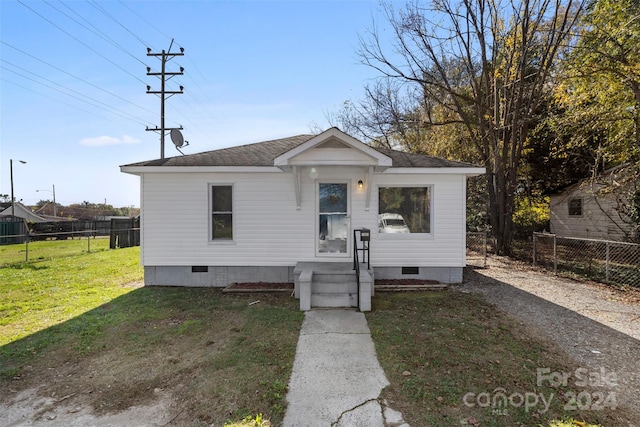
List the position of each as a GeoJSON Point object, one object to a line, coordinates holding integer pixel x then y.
{"type": "Point", "coordinates": [449, 170]}
{"type": "Point", "coordinates": [139, 170]}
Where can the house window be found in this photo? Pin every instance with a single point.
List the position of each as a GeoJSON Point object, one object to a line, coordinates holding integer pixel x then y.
{"type": "Point", "coordinates": [575, 207]}
{"type": "Point", "coordinates": [404, 210]}
{"type": "Point", "coordinates": [221, 212]}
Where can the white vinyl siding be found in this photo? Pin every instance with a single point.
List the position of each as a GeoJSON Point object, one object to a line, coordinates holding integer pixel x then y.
{"type": "Point", "coordinates": [598, 219]}
{"type": "Point", "coordinates": [269, 230]}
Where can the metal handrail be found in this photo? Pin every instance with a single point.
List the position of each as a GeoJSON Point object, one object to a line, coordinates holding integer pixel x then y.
{"type": "Point", "coordinates": [365, 238]}
{"type": "Point", "coordinates": [356, 264]}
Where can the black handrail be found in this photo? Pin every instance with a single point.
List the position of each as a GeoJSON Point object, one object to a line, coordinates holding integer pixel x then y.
{"type": "Point", "coordinates": [365, 238]}
{"type": "Point", "coordinates": [356, 267]}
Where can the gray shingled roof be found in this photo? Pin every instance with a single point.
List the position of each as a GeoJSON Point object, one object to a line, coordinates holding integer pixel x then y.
{"type": "Point", "coordinates": [402, 159]}
{"type": "Point", "coordinates": [264, 153]}
{"type": "Point", "coordinates": [258, 154]}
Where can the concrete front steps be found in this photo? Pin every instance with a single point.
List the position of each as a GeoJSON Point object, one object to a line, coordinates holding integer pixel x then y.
{"type": "Point", "coordinates": [332, 285]}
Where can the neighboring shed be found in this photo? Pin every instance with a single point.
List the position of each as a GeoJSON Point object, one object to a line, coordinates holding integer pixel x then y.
{"type": "Point", "coordinates": [22, 212]}
{"type": "Point", "coordinates": [255, 212]}
{"type": "Point", "coordinates": [13, 222]}
{"type": "Point", "coordinates": [597, 208]}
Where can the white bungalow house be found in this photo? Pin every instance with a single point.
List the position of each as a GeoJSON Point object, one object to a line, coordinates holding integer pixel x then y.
{"type": "Point", "coordinates": [285, 211]}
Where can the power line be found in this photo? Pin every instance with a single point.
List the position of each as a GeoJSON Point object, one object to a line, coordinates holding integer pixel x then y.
{"type": "Point", "coordinates": [108, 15]}
{"type": "Point", "coordinates": [81, 42]}
{"type": "Point", "coordinates": [63, 102]}
{"type": "Point", "coordinates": [95, 30]}
{"type": "Point", "coordinates": [74, 16]}
{"type": "Point", "coordinates": [146, 22]}
{"type": "Point", "coordinates": [77, 77]}
{"type": "Point", "coordinates": [193, 95]}
{"type": "Point", "coordinates": [109, 109]}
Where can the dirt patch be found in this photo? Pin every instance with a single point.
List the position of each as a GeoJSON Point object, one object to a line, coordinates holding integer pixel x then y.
{"type": "Point", "coordinates": [175, 357]}
{"type": "Point", "coordinates": [405, 282]}
{"type": "Point", "coordinates": [28, 407]}
{"type": "Point", "coordinates": [259, 287]}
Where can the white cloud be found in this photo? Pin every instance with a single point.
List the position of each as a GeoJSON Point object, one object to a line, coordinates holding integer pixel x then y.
{"type": "Point", "coordinates": [101, 141]}
{"type": "Point", "coordinates": [130, 140]}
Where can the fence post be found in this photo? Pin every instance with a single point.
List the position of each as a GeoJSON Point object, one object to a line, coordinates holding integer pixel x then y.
{"type": "Point", "coordinates": [484, 248]}
{"type": "Point", "coordinates": [607, 264]}
{"type": "Point", "coordinates": [555, 256]}
{"type": "Point", "coordinates": [534, 248]}
{"type": "Point", "coordinates": [88, 242]}
{"type": "Point", "coordinates": [26, 241]}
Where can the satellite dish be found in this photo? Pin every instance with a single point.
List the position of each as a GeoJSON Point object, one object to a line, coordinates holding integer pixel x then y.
{"type": "Point", "coordinates": [177, 138]}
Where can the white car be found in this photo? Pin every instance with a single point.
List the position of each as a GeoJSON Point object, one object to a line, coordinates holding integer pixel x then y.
{"type": "Point", "coordinates": [392, 223]}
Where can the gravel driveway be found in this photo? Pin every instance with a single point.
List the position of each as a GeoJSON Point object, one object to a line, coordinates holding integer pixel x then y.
{"type": "Point", "coordinates": [598, 327]}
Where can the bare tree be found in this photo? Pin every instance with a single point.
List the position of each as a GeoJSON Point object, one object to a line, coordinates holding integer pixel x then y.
{"type": "Point", "coordinates": [488, 63]}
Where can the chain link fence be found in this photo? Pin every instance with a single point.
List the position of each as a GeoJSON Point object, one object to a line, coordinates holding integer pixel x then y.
{"type": "Point", "coordinates": [477, 248]}
{"type": "Point", "coordinates": [24, 244]}
{"type": "Point", "coordinates": [605, 261]}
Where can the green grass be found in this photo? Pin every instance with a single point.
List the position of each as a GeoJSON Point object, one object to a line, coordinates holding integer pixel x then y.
{"type": "Point", "coordinates": [50, 249]}
{"type": "Point", "coordinates": [70, 324]}
{"type": "Point", "coordinates": [61, 286]}
{"type": "Point", "coordinates": [73, 326]}
{"type": "Point", "coordinates": [449, 344]}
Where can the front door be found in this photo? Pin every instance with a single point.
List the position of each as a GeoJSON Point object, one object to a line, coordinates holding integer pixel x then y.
{"type": "Point", "coordinates": [333, 219]}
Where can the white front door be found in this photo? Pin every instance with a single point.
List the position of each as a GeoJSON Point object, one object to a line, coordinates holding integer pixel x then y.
{"type": "Point", "coordinates": [333, 219]}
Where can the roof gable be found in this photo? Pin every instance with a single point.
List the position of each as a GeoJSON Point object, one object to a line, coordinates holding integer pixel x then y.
{"type": "Point", "coordinates": [333, 147]}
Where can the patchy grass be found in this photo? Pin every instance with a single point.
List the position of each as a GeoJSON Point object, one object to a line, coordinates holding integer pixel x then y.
{"type": "Point", "coordinates": [72, 327]}
{"type": "Point", "coordinates": [454, 360]}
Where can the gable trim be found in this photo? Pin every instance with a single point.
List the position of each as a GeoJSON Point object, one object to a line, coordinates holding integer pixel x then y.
{"type": "Point", "coordinates": [378, 159]}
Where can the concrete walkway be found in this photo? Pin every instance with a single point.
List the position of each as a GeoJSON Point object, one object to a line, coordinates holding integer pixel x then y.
{"type": "Point", "coordinates": [336, 378]}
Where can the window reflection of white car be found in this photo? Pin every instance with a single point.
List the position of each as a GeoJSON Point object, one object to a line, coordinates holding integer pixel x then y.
{"type": "Point", "coordinates": [392, 223]}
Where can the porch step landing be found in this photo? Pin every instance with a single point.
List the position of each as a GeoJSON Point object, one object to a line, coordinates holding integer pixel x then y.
{"type": "Point", "coordinates": [331, 285]}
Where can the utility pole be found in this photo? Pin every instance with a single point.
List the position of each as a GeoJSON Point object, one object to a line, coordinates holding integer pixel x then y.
{"type": "Point", "coordinates": [163, 92]}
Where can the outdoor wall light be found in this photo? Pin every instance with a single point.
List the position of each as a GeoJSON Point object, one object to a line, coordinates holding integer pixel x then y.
{"type": "Point", "coordinates": [360, 184]}
{"type": "Point", "coordinates": [313, 173]}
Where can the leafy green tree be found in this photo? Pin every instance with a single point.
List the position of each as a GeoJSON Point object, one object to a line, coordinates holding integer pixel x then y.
{"type": "Point", "coordinates": [598, 100]}
{"type": "Point", "coordinates": [600, 92]}
{"type": "Point", "coordinates": [480, 69]}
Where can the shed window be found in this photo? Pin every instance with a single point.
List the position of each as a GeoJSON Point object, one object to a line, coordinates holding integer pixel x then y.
{"type": "Point", "coordinates": [404, 210]}
{"type": "Point", "coordinates": [575, 207]}
{"type": "Point", "coordinates": [221, 212]}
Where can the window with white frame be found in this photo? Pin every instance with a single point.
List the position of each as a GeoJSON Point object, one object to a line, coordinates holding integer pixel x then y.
{"type": "Point", "coordinates": [404, 210]}
{"type": "Point", "coordinates": [221, 212]}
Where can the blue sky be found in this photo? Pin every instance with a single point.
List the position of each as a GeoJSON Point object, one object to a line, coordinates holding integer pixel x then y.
{"type": "Point", "coordinates": [73, 101]}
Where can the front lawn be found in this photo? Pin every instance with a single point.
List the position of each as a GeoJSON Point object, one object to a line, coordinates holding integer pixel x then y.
{"type": "Point", "coordinates": [75, 326]}
{"type": "Point", "coordinates": [80, 327]}
{"type": "Point", "coordinates": [452, 360]}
